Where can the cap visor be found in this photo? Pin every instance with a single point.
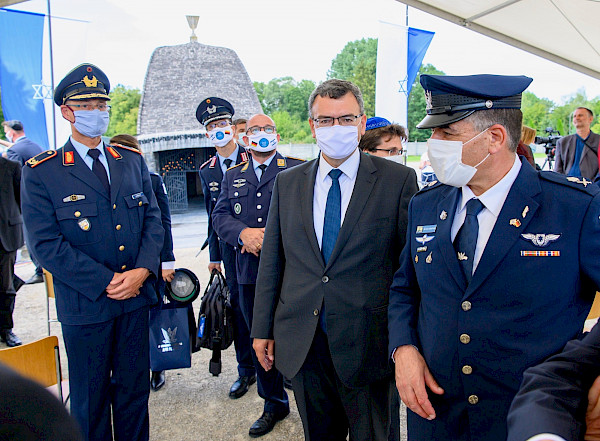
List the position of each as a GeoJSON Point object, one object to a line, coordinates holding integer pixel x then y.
{"type": "Point", "coordinates": [87, 96]}
{"type": "Point", "coordinates": [433, 121]}
{"type": "Point", "coordinates": [217, 117]}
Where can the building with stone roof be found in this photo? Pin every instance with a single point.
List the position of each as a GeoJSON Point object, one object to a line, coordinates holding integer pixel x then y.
{"type": "Point", "coordinates": [178, 78]}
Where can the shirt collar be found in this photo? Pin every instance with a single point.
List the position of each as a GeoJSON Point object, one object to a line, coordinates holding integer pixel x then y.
{"type": "Point", "coordinates": [256, 164]}
{"type": "Point", "coordinates": [233, 157]}
{"type": "Point", "coordinates": [83, 149]}
{"type": "Point", "coordinates": [22, 138]}
{"type": "Point", "coordinates": [493, 199]}
{"type": "Point", "coordinates": [349, 167]}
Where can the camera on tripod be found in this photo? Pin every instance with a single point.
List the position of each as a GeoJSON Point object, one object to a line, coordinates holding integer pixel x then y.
{"type": "Point", "coordinates": [549, 141]}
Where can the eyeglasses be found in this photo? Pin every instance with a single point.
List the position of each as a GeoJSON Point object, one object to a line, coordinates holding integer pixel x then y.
{"type": "Point", "coordinates": [255, 130]}
{"type": "Point", "coordinates": [217, 124]}
{"type": "Point", "coordinates": [345, 120]}
{"type": "Point", "coordinates": [101, 107]}
{"type": "Point", "coordinates": [394, 151]}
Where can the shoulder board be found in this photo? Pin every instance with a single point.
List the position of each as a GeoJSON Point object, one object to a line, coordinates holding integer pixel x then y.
{"type": "Point", "coordinates": [297, 159]}
{"type": "Point", "coordinates": [237, 165]}
{"type": "Point", "coordinates": [154, 173]}
{"type": "Point", "coordinates": [42, 157]}
{"type": "Point", "coordinates": [429, 186]}
{"type": "Point", "coordinates": [580, 184]}
{"type": "Point", "coordinates": [131, 149]}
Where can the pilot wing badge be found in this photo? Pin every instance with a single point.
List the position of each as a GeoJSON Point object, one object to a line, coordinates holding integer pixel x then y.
{"type": "Point", "coordinates": [540, 240]}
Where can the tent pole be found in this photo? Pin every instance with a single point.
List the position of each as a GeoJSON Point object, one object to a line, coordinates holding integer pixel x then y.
{"type": "Point", "coordinates": [51, 73]}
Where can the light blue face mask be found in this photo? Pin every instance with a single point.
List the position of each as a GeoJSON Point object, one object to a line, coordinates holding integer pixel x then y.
{"type": "Point", "coordinates": [91, 123]}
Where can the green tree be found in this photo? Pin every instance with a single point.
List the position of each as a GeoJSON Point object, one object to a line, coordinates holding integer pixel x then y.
{"type": "Point", "coordinates": [125, 103]}
{"type": "Point", "coordinates": [357, 62]}
{"type": "Point", "coordinates": [537, 112]}
{"type": "Point", "coordinates": [417, 105]}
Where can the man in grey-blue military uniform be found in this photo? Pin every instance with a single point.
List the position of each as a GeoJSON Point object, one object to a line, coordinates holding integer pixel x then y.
{"type": "Point", "coordinates": [94, 223]}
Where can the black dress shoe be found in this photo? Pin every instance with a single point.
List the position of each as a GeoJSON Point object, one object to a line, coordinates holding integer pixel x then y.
{"type": "Point", "coordinates": [9, 337]}
{"type": "Point", "coordinates": [36, 278]}
{"type": "Point", "coordinates": [158, 380]}
{"type": "Point", "coordinates": [265, 423]}
{"type": "Point", "coordinates": [241, 385]}
{"type": "Point", "coordinates": [287, 383]}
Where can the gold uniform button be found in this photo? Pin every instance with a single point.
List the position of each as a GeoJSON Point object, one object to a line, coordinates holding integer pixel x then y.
{"type": "Point", "coordinates": [465, 338]}
{"type": "Point", "coordinates": [140, 203]}
{"type": "Point", "coordinates": [121, 248]}
{"type": "Point", "coordinates": [77, 213]}
{"type": "Point", "coordinates": [316, 312]}
{"type": "Point", "coordinates": [473, 399]}
{"type": "Point", "coordinates": [466, 305]}
{"type": "Point", "coordinates": [118, 227]}
{"type": "Point", "coordinates": [114, 206]}
{"type": "Point", "coordinates": [467, 370]}
{"type": "Point", "coordinates": [123, 267]}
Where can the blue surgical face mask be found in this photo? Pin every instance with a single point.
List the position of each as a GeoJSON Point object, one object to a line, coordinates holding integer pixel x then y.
{"type": "Point", "coordinates": [91, 123]}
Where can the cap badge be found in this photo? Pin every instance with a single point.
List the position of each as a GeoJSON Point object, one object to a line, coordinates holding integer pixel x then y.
{"type": "Point", "coordinates": [90, 83]}
{"type": "Point", "coordinates": [489, 104]}
{"type": "Point", "coordinates": [428, 99]}
{"type": "Point", "coordinates": [211, 109]}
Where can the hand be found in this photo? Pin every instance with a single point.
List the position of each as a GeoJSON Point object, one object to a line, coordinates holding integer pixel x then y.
{"type": "Point", "coordinates": [245, 249]}
{"type": "Point", "coordinates": [412, 375]}
{"type": "Point", "coordinates": [592, 415]}
{"type": "Point", "coordinates": [168, 274]}
{"type": "Point", "coordinates": [252, 238]}
{"type": "Point", "coordinates": [264, 352]}
{"type": "Point", "coordinates": [126, 285]}
{"type": "Point", "coordinates": [214, 266]}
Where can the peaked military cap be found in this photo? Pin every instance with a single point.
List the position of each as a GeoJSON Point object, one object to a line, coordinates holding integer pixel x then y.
{"type": "Point", "coordinates": [213, 108]}
{"type": "Point", "coordinates": [84, 82]}
{"type": "Point", "coordinates": [376, 121]}
{"type": "Point", "coordinates": [452, 98]}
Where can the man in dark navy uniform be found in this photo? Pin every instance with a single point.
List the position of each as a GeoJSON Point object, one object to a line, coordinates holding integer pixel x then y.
{"type": "Point", "coordinates": [239, 218]}
{"type": "Point", "coordinates": [215, 115]}
{"type": "Point", "coordinates": [475, 301]}
{"type": "Point", "coordinates": [94, 223]}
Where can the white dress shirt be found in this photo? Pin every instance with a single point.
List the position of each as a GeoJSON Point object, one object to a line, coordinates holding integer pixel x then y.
{"type": "Point", "coordinates": [492, 200]}
{"type": "Point", "coordinates": [83, 150]}
{"type": "Point", "coordinates": [233, 158]}
{"type": "Point", "coordinates": [256, 165]}
{"type": "Point", "coordinates": [323, 181]}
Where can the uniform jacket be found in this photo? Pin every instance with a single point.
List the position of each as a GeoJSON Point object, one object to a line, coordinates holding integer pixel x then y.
{"type": "Point", "coordinates": [211, 177]}
{"type": "Point", "coordinates": [22, 150]}
{"type": "Point", "coordinates": [553, 396]}
{"type": "Point", "coordinates": [11, 222]}
{"type": "Point", "coordinates": [293, 280]}
{"type": "Point", "coordinates": [82, 237]}
{"type": "Point", "coordinates": [529, 295]}
{"type": "Point", "coordinates": [244, 202]}
{"type": "Point", "coordinates": [160, 192]}
{"type": "Point", "coordinates": [565, 154]}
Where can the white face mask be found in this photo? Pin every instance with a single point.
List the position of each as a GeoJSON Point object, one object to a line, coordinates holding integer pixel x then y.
{"type": "Point", "coordinates": [399, 159]}
{"type": "Point", "coordinates": [221, 136]}
{"type": "Point", "coordinates": [337, 142]}
{"type": "Point", "coordinates": [9, 137]}
{"type": "Point", "coordinates": [91, 123]}
{"type": "Point", "coordinates": [241, 140]}
{"type": "Point", "coordinates": [263, 142]}
{"type": "Point", "coordinates": [446, 160]}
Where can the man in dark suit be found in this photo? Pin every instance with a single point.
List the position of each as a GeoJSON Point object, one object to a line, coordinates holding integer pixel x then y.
{"type": "Point", "coordinates": [11, 239]}
{"type": "Point", "coordinates": [229, 153]}
{"type": "Point", "coordinates": [577, 154]}
{"type": "Point", "coordinates": [551, 404]}
{"type": "Point", "coordinates": [94, 223]}
{"type": "Point", "coordinates": [332, 241]}
{"type": "Point", "coordinates": [239, 219]}
{"type": "Point", "coordinates": [21, 150]}
{"type": "Point", "coordinates": [473, 303]}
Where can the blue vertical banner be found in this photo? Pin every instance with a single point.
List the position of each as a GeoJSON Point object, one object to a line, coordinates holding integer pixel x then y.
{"type": "Point", "coordinates": [21, 46]}
{"type": "Point", "coordinates": [418, 43]}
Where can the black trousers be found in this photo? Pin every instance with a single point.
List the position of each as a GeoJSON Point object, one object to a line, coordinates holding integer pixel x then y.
{"type": "Point", "coordinates": [331, 410]}
{"type": "Point", "coordinates": [7, 291]}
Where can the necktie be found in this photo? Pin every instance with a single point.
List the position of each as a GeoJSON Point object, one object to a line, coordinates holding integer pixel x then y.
{"type": "Point", "coordinates": [333, 215]}
{"type": "Point", "coordinates": [227, 163]}
{"type": "Point", "coordinates": [466, 239]}
{"type": "Point", "coordinates": [99, 169]}
{"type": "Point", "coordinates": [262, 167]}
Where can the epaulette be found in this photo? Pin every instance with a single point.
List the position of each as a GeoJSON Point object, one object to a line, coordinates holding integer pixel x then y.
{"type": "Point", "coordinates": [154, 173]}
{"type": "Point", "coordinates": [429, 186]}
{"type": "Point", "coordinates": [297, 159]}
{"type": "Point", "coordinates": [41, 157]}
{"type": "Point", "coordinates": [580, 184]}
{"type": "Point", "coordinates": [131, 149]}
{"type": "Point", "coordinates": [237, 165]}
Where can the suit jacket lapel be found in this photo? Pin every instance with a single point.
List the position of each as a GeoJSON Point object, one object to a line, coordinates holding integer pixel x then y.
{"type": "Point", "coordinates": [365, 180]}
{"type": "Point", "coordinates": [249, 174]}
{"type": "Point", "coordinates": [81, 171]}
{"type": "Point", "coordinates": [444, 232]}
{"type": "Point", "coordinates": [307, 190]}
{"type": "Point", "coordinates": [116, 175]}
{"type": "Point", "coordinates": [270, 172]}
{"type": "Point", "coordinates": [506, 233]}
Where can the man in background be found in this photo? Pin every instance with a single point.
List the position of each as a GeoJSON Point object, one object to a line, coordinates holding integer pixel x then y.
{"type": "Point", "coordinates": [577, 154]}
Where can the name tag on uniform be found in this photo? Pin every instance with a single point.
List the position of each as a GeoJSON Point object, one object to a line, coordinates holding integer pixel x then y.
{"type": "Point", "coordinates": [137, 195]}
{"type": "Point", "coordinates": [426, 229]}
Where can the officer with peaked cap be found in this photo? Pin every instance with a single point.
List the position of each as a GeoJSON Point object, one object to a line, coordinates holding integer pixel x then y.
{"type": "Point", "coordinates": [473, 303]}
{"type": "Point", "coordinates": [94, 223]}
{"type": "Point", "coordinates": [215, 114]}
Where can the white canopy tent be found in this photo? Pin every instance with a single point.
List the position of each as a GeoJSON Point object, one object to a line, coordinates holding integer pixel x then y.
{"type": "Point", "coordinates": [564, 31]}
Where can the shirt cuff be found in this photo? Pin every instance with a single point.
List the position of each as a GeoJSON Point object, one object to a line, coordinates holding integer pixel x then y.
{"type": "Point", "coordinates": [168, 265]}
{"type": "Point", "coordinates": [216, 261]}
{"type": "Point", "coordinates": [546, 436]}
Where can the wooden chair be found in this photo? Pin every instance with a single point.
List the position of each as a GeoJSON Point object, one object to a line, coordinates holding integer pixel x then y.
{"type": "Point", "coordinates": [49, 283]}
{"type": "Point", "coordinates": [38, 361]}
